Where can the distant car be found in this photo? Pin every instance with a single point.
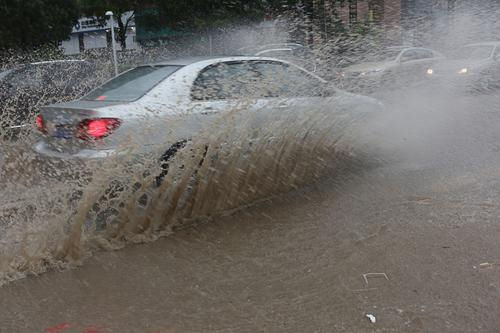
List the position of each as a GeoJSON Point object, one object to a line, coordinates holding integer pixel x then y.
{"type": "Point", "coordinates": [25, 88]}
{"type": "Point", "coordinates": [393, 66]}
{"type": "Point", "coordinates": [292, 52]}
{"type": "Point", "coordinates": [252, 50]}
{"type": "Point", "coordinates": [472, 67]}
{"type": "Point", "coordinates": [153, 109]}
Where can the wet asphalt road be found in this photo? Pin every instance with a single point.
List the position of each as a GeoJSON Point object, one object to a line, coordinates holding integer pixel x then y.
{"type": "Point", "coordinates": [420, 202]}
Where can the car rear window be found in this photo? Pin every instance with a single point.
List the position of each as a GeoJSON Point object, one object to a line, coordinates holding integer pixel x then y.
{"type": "Point", "coordinates": [132, 84]}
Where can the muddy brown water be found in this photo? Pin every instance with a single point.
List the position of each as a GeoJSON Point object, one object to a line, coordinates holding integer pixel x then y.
{"type": "Point", "coordinates": [421, 207]}
{"type": "Point", "coordinates": [235, 159]}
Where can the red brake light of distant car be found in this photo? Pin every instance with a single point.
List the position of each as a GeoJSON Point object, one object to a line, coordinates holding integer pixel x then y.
{"type": "Point", "coordinates": [91, 129]}
{"type": "Point", "coordinates": [40, 123]}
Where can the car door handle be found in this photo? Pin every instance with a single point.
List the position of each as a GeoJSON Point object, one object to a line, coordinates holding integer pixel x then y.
{"type": "Point", "coordinates": [282, 105]}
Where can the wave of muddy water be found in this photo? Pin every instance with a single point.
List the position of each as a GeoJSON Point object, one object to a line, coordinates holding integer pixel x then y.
{"type": "Point", "coordinates": [238, 159]}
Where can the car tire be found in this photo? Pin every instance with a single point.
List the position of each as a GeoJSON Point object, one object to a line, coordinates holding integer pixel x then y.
{"type": "Point", "coordinates": [166, 157]}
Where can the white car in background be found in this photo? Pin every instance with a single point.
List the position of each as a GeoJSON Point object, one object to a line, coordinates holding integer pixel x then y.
{"type": "Point", "coordinates": [291, 52]}
{"type": "Point", "coordinates": [471, 67]}
{"type": "Point", "coordinates": [394, 66]}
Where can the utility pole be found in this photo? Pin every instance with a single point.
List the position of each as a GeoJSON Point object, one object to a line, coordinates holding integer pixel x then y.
{"type": "Point", "coordinates": [113, 42]}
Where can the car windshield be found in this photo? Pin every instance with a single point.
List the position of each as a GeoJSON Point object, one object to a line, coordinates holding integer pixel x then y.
{"type": "Point", "coordinates": [474, 52]}
{"type": "Point", "coordinates": [132, 84]}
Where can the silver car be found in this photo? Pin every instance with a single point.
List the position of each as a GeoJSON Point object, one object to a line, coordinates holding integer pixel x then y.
{"type": "Point", "coordinates": [473, 67]}
{"type": "Point", "coordinates": [153, 108]}
{"type": "Point", "coordinates": [292, 52]}
{"type": "Point", "coordinates": [390, 67]}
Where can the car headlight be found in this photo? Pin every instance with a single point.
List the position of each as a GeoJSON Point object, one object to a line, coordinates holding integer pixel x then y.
{"type": "Point", "coordinates": [463, 71]}
{"type": "Point", "coordinates": [430, 71]}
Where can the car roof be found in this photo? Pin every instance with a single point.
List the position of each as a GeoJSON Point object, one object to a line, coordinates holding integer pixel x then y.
{"type": "Point", "coordinates": [186, 61]}
{"type": "Point", "coordinates": [193, 60]}
{"type": "Point", "coordinates": [273, 50]}
{"type": "Point", "coordinates": [259, 48]}
{"type": "Point", "coordinates": [215, 59]}
{"type": "Point", "coordinates": [400, 47]}
{"type": "Point", "coordinates": [292, 45]}
{"type": "Point", "coordinates": [484, 44]}
{"type": "Point", "coordinates": [404, 48]}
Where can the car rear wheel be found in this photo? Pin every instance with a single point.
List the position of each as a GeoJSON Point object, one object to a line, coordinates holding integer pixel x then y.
{"type": "Point", "coordinates": [166, 157]}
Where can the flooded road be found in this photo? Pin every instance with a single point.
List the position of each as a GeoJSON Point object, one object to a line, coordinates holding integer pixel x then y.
{"type": "Point", "coordinates": [418, 204]}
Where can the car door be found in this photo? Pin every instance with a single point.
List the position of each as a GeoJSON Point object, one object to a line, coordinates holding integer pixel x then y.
{"type": "Point", "coordinates": [413, 65]}
{"type": "Point", "coordinates": [269, 90]}
{"type": "Point", "coordinates": [213, 90]}
{"type": "Point", "coordinates": [294, 94]}
{"type": "Point", "coordinates": [232, 87]}
{"type": "Point", "coordinates": [427, 59]}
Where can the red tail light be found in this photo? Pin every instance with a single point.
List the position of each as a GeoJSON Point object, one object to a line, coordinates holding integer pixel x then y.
{"type": "Point", "coordinates": [40, 123]}
{"type": "Point", "coordinates": [91, 129]}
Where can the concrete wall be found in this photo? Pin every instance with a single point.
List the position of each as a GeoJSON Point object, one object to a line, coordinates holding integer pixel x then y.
{"type": "Point", "coordinates": [95, 40]}
{"type": "Point", "coordinates": [71, 46]}
{"type": "Point", "coordinates": [94, 35]}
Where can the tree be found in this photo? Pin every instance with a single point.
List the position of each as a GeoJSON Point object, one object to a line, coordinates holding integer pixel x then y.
{"type": "Point", "coordinates": [199, 15]}
{"type": "Point", "coordinates": [98, 8]}
{"type": "Point", "coordinates": [32, 24]}
{"type": "Point", "coordinates": [158, 19]}
{"type": "Point", "coordinates": [202, 14]}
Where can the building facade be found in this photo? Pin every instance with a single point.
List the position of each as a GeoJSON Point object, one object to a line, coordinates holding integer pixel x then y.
{"type": "Point", "coordinates": [92, 33]}
{"type": "Point", "coordinates": [415, 21]}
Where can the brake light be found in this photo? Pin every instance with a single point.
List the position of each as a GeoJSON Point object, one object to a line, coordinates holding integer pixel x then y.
{"type": "Point", "coordinates": [40, 123]}
{"type": "Point", "coordinates": [91, 129]}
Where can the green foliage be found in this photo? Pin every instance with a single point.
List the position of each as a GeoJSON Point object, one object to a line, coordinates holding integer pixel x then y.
{"type": "Point", "coordinates": [195, 15]}
{"type": "Point", "coordinates": [34, 23]}
{"type": "Point", "coordinates": [29, 24]}
{"type": "Point", "coordinates": [99, 7]}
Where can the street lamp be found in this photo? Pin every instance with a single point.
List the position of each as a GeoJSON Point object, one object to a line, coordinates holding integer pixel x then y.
{"type": "Point", "coordinates": [110, 14]}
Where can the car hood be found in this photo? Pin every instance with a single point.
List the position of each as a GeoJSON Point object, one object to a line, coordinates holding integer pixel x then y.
{"type": "Point", "coordinates": [354, 103]}
{"type": "Point", "coordinates": [450, 66]}
{"type": "Point", "coordinates": [368, 66]}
